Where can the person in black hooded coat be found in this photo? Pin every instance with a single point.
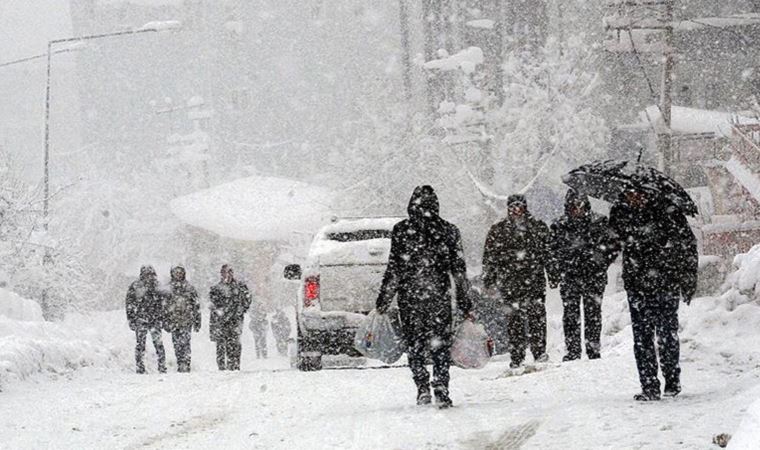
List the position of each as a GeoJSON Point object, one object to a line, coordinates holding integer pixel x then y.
{"type": "Point", "coordinates": [582, 247]}
{"type": "Point", "coordinates": [660, 262]}
{"type": "Point", "coordinates": [426, 252]}
{"type": "Point", "coordinates": [183, 315]}
{"type": "Point", "coordinates": [515, 257]}
{"type": "Point", "coordinates": [145, 314]}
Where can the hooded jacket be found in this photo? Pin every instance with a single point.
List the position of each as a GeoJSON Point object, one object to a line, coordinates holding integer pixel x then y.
{"type": "Point", "coordinates": [229, 303]}
{"type": "Point", "coordinates": [144, 303]}
{"type": "Point", "coordinates": [183, 310]}
{"type": "Point", "coordinates": [426, 252]}
{"type": "Point", "coordinates": [659, 248]}
{"type": "Point", "coordinates": [515, 255]}
{"type": "Point", "coordinates": [581, 247]}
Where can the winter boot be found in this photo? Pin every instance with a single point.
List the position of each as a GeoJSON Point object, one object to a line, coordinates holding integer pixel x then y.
{"type": "Point", "coordinates": [542, 358]}
{"type": "Point", "coordinates": [571, 357]}
{"type": "Point", "coordinates": [442, 398]}
{"type": "Point", "coordinates": [672, 389]}
{"type": "Point", "coordinates": [514, 365]}
{"type": "Point", "coordinates": [423, 395]}
{"type": "Point", "coordinates": [647, 397]}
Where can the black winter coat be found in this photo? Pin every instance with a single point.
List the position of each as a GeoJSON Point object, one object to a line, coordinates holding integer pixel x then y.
{"type": "Point", "coordinates": [182, 308]}
{"type": "Point", "coordinates": [515, 257]}
{"type": "Point", "coordinates": [582, 248]}
{"type": "Point", "coordinates": [229, 303]}
{"type": "Point", "coordinates": [659, 249]}
{"type": "Point", "coordinates": [426, 251]}
{"type": "Point", "coordinates": [144, 304]}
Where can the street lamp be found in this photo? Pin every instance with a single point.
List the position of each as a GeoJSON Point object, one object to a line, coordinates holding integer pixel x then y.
{"type": "Point", "coordinates": [150, 27]}
{"type": "Point", "coordinates": [71, 48]}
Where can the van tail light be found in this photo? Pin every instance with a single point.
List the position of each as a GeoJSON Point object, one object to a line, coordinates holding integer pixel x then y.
{"type": "Point", "coordinates": [311, 291]}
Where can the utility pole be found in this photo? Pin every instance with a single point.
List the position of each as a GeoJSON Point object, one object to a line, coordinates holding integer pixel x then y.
{"type": "Point", "coordinates": [406, 58]}
{"type": "Point", "coordinates": [666, 102]}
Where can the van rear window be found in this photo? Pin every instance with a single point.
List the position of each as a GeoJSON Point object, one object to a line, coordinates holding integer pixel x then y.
{"type": "Point", "coordinates": [359, 235]}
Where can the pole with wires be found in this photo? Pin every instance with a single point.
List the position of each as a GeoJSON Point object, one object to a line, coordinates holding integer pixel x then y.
{"type": "Point", "coordinates": [666, 101]}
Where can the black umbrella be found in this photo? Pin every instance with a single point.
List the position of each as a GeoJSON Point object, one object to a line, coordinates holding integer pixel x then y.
{"type": "Point", "coordinates": [607, 180]}
{"type": "Point", "coordinates": [600, 179]}
{"type": "Point", "coordinates": [661, 186]}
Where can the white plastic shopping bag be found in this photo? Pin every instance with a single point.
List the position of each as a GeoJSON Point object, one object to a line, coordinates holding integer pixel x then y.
{"type": "Point", "coordinates": [379, 337]}
{"type": "Point", "coordinates": [472, 348]}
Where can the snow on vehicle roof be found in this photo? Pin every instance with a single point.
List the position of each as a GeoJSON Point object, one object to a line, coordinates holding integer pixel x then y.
{"type": "Point", "coordinates": [256, 208]}
{"type": "Point", "coordinates": [368, 223]}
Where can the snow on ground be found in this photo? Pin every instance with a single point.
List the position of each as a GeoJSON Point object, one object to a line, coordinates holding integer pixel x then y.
{"type": "Point", "coordinates": [583, 404]}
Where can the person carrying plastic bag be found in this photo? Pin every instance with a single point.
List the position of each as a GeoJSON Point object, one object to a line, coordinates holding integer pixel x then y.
{"type": "Point", "coordinates": [472, 348]}
{"type": "Point", "coordinates": [377, 337]}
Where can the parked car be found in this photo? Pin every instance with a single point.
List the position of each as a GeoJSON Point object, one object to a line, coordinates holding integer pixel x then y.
{"type": "Point", "coordinates": [340, 281]}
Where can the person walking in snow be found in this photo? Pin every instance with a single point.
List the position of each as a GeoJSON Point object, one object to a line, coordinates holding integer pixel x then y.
{"type": "Point", "coordinates": [515, 257]}
{"type": "Point", "coordinates": [426, 252]}
{"type": "Point", "coordinates": [230, 299]}
{"type": "Point", "coordinates": [660, 262]}
{"type": "Point", "coordinates": [582, 248]}
{"type": "Point", "coordinates": [281, 330]}
{"type": "Point", "coordinates": [183, 315]}
{"type": "Point", "coordinates": [144, 305]}
{"type": "Point", "coordinates": [258, 326]}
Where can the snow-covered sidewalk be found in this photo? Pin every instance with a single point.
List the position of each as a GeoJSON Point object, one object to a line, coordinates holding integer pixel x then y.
{"type": "Point", "coordinates": [578, 405]}
{"type": "Point", "coordinates": [76, 389]}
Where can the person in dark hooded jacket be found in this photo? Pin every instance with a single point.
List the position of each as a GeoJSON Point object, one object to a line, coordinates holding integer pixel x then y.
{"type": "Point", "coordinates": [660, 261]}
{"type": "Point", "coordinates": [426, 251]}
{"type": "Point", "coordinates": [183, 315]}
{"type": "Point", "coordinates": [582, 249]}
{"type": "Point", "coordinates": [515, 257]}
{"type": "Point", "coordinates": [145, 314]}
{"type": "Point", "coordinates": [230, 299]}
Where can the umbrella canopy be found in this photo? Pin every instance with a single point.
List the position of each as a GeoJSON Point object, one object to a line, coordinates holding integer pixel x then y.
{"type": "Point", "coordinates": [604, 180]}
{"type": "Point", "coordinates": [607, 180]}
{"type": "Point", "coordinates": [661, 186]}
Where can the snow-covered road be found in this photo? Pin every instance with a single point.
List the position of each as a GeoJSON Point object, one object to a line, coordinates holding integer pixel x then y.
{"type": "Point", "coordinates": [578, 405]}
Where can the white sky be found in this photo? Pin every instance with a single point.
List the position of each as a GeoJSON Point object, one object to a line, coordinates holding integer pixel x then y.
{"type": "Point", "coordinates": [27, 25]}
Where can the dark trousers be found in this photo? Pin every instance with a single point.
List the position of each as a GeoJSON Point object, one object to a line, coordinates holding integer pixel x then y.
{"type": "Point", "coordinates": [260, 340]}
{"type": "Point", "coordinates": [228, 348]}
{"type": "Point", "coordinates": [655, 315]}
{"type": "Point", "coordinates": [573, 295]}
{"type": "Point", "coordinates": [182, 349]}
{"type": "Point", "coordinates": [526, 326]}
{"type": "Point", "coordinates": [422, 340]}
{"type": "Point", "coordinates": [155, 334]}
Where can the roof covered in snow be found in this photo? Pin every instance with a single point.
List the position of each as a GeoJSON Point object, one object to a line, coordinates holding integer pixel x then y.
{"type": "Point", "coordinates": [692, 120]}
{"type": "Point", "coordinates": [256, 208]}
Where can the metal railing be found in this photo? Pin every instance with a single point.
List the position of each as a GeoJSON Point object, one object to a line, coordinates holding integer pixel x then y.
{"type": "Point", "coordinates": [745, 143]}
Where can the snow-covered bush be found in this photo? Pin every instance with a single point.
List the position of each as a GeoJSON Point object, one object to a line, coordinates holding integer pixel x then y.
{"type": "Point", "coordinates": [743, 284]}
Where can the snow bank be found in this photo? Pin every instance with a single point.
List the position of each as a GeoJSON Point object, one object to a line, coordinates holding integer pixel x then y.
{"type": "Point", "coordinates": [13, 306]}
{"type": "Point", "coordinates": [747, 437]}
{"type": "Point", "coordinates": [746, 276]}
{"type": "Point", "coordinates": [33, 347]}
